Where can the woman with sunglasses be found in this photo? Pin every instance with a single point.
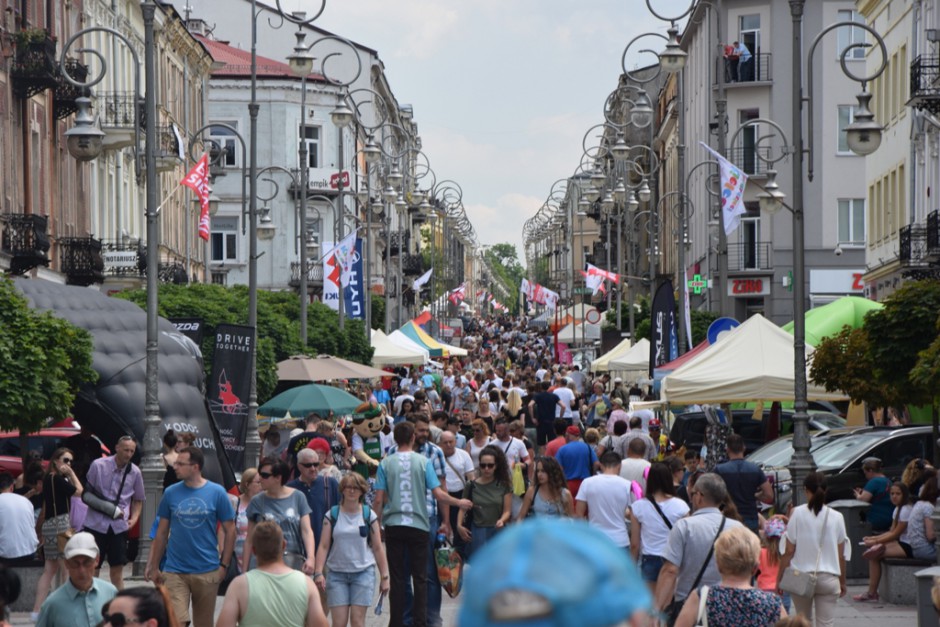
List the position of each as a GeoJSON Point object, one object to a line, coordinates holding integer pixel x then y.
{"type": "Point", "coordinates": [141, 605]}
{"type": "Point", "coordinates": [548, 495]}
{"type": "Point", "coordinates": [59, 485]}
{"type": "Point", "coordinates": [491, 493]}
{"type": "Point", "coordinates": [249, 488]}
{"type": "Point", "coordinates": [289, 509]}
{"type": "Point", "coordinates": [351, 547]}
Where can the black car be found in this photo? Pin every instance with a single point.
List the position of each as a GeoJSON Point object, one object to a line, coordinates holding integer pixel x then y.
{"type": "Point", "coordinates": [688, 430]}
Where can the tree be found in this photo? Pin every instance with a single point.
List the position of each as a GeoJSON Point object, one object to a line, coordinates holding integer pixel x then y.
{"type": "Point", "coordinates": [844, 362]}
{"type": "Point", "coordinates": [44, 362]}
{"type": "Point", "coordinates": [504, 261]}
{"type": "Point", "coordinates": [278, 325]}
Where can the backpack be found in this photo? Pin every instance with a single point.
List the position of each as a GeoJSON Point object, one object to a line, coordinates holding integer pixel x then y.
{"type": "Point", "coordinates": [366, 516]}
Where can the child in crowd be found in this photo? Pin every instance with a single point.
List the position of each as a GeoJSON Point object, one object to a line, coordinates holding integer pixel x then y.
{"type": "Point", "coordinates": [769, 562]}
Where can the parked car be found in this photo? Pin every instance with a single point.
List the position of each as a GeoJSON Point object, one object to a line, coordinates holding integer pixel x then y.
{"type": "Point", "coordinates": [839, 454]}
{"type": "Point", "coordinates": [43, 442]}
{"type": "Point", "coordinates": [688, 429]}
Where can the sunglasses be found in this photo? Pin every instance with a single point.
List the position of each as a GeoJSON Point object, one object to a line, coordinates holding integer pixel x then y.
{"type": "Point", "coordinates": [265, 475]}
{"type": "Point", "coordinates": [117, 620]}
{"type": "Point", "coordinates": [487, 465]}
{"type": "Point", "coordinates": [67, 460]}
{"type": "Point", "coordinates": [311, 465]}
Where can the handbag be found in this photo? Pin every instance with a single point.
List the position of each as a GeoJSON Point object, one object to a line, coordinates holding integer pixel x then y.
{"type": "Point", "coordinates": [702, 620]}
{"type": "Point", "coordinates": [61, 537]}
{"type": "Point", "coordinates": [800, 582]}
{"type": "Point", "coordinates": [233, 570]}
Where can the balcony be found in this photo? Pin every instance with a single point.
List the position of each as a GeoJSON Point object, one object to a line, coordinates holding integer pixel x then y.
{"type": "Point", "coordinates": [63, 99]}
{"type": "Point", "coordinates": [412, 265]}
{"type": "Point", "coordinates": [397, 241]}
{"type": "Point", "coordinates": [933, 234]}
{"type": "Point", "coordinates": [314, 273]}
{"type": "Point", "coordinates": [81, 260]}
{"type": "Point", "coordinates": [750, 257]}
{"type": "Point", "coordinates": [168, 148]}
{"type": "Point", "coordinates": [749, 159]}
{"type": "Point", "coordinates": [124, 259]}
{"type": "Point", "coordinates": [925, 84]}
{"type": "Point", "coordinates": [34, 66]}
{"type": "Point", "coordinates": [174, 272]}
{"type": "Point", "coordinates": [117, 113]}
{"type": "Point", "coordinates": [756, 71]}
{"type": "Point", "coordinates": [25, 240]}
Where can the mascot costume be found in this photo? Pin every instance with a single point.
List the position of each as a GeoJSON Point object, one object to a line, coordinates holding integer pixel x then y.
{"type": "Point", "coordinates": [368, 442]}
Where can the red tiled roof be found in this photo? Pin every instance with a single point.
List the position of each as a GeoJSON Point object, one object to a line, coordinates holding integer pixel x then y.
{"type": "Point", "coordinates": [238, 62]}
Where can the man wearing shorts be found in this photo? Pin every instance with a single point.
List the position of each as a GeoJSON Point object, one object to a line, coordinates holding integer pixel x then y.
{"type": "Point", "coordinates": [118, 480]}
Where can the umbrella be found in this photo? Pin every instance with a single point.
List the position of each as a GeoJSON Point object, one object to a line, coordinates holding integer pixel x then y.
{"type": "Point", "coordinates": [307, 399]}
{"type": "Point", "coordinates": [324, 368]}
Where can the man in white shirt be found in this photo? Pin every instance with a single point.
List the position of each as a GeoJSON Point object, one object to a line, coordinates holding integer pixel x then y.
{"type": "Point", "coordinates": [458, 468]}
{"type": "Point", "coordinates": [604, 500]}
{"type": "Point", "coordinates": [18, 541]}
{"type": "Point", "coordinates": [566, 395]}
{"type": "Point", "coordinates": [514, 448]}
{"type": "Point", "coordinates": [635, 465]}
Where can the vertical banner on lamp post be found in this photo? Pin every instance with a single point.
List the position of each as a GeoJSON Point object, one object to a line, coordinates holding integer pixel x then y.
{"type": "Point", "coordinates": [350, 274]}
{"type": "Point", "coordinates": [228, 388]}
{"type": "Point", "coordinates": [664, 345]}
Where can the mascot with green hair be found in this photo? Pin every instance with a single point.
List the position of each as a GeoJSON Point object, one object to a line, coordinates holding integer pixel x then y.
{"type": "Point", "coordinates": [369, 442]}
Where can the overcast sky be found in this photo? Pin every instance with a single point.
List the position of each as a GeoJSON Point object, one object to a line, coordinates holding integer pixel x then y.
{"type": "Point", "coordinates": [503, 90]}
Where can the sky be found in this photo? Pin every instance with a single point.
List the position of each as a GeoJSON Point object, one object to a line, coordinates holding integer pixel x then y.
{"type": "Point", "coordinates": [503, 90]}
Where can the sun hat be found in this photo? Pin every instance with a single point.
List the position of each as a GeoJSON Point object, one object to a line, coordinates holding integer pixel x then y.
{"type": "Point", "coordinates": [82, 543]}
{"type": "Point", "coordinates": [584, 580]}
{"type": "Point", "coordinates": [774, 528]}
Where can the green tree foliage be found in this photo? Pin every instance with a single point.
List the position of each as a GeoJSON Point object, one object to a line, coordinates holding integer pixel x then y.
{"type": "Point", "coordinates": [844, 362]}
{"type": "Point", "coordinates": [504, 261]}
{"type": "Point", "coordinates": [44, 362]}
{"type": "Point", "coordinates": [278, 325]}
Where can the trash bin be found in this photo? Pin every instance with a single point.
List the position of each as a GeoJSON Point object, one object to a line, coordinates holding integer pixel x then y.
{"type": "Point", "coordinates": [857, 527]}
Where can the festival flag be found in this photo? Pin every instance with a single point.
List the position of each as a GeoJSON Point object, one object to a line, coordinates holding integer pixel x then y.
{"type": "Point", "coordinates": [198, 180]}
{"type": "Point", "coordinates": [339, 260]}
{"type": "Point", "coordinates": [593, 281]}
{"type": "Point", "coordinates": [550, 299]}
{"type": "Point", "coordinates": [593, 270]}
{"type": "Point", "coordinates": [457, 294]}
{"type": "Point", "coordinates": [422, 280]}
{"type": "Point", "coordinates": [733, 180]}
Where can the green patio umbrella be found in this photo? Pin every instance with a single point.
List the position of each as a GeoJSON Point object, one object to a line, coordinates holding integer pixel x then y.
{"type": "Point", "coordinates": [298, 402]}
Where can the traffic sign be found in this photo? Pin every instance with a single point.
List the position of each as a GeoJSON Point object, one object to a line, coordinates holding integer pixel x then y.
{"type": "Point", "coordinates": [718, 328]}
{"type": "Point", "coordinates": [592, 316]}
{"type": "Point", "coordinates": [697, 284]}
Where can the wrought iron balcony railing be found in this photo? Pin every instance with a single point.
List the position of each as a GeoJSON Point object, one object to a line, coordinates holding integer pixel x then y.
{"type": "Point", "coordinates": [34, 66]}
{"type": "Point", "coordinates": [116, 109]}
{"type": "Point", "coordinates": [412, 265]}
{"type": "Point", "coordinates": [925, 83]}
{"type": "Point", "coordinates": [123, 259]}
{"type": "Point", "coordinates": [314, 272]}
{"type": "Point", "coordinates": [756, 70]}
{"type": "Point", "coordinates": [933, 233]}
{"type": "Point", "coordinates": [25, 240]}
{"type": "Point", "coordinates": [750, 256]}
{"type": "Point", "coordinates": [749, 159]}
{"type": "Point", "coordinates": [81, 260]}
{"type": "Point", "coordinates": [63, 99]}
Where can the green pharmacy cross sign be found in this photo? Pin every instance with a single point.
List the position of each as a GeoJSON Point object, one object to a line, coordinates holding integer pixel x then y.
{"type": "Point", "coordinates": [697, 284]}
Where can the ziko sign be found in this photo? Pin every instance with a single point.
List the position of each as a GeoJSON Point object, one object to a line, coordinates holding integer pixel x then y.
{"type": "Point", "coordinates": [756, 286]}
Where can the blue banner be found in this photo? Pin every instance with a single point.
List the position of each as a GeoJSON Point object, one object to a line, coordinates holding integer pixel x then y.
{"type": "Point", "coordinates": [354, 293]}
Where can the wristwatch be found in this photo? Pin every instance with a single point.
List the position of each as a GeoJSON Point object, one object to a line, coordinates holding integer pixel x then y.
{"type": "Point", "coordinates": [225, 566]}
{"type": "Point", "coordinates": [315, 575]}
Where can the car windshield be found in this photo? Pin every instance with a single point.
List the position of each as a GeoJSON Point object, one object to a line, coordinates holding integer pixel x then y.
{"type": "Point", "coordinates": [778, 453]}
{"type": "Point", "coordinates": [838, 452]}
{"type": "Point", "coordinates": [829, 421]}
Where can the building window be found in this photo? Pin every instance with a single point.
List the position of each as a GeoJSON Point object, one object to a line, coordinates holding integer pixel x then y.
{"type": "Point", "coordinates": [849, 35]}
{"type": "Point", "coordinates": [218, 278]}
{"type": "Point", "coordinates": [852, 221]}
{"type": "Point", "coordinates": [226, 140]}
{"type": "Point", "coordinates": [224, 239]}
{"type": "Point", "coordinates": [846, 117]}
{"type": "Point", "coordinates": [311, 134]}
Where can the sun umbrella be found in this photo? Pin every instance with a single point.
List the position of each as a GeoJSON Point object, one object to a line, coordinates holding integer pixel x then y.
{"type": "Point", "coordinates": [307, 399]}
{"type": "Point", "coordinates": [324, 368]}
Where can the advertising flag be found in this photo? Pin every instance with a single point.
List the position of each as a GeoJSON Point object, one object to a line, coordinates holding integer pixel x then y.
{"type": "Point", "coordinates": [664, 344]}
{"type": "Point", "coordinates": [733, 181]}
{"type": "Point", "coordinates": [593, 270]}
{"type": "Point", "coordinates": [342, 266]}
{"type": "Point", "coordinates": [198, 180]}
{"type": "Point", "coordinates": [422, 280]}
{"type": "Point", "coordinates": [228, 388]}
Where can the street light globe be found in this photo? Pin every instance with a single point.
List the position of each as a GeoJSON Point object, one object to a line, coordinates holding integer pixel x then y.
{"type": "Point", "coordinates": [300, 61]}
{"type": "Point", "coordinates": [400, 204]}
{"type": "Point", "coordinates": [417, 197]}
{"type": "Point", "coordinates": [342, 115]}
{"type": "Point", "coordinates": [620, 192]}
{"type": "Point", "coordinates": [620, 150]}
{"type": "Point", "coordinates": [592, 193]}
{"type": "Point", "coordinates": [371, 152]}
{"type": "Point", "coordinates": [607, 203]}
{"type": "Point", "coordinates": [771, 199]}
{"type": "Point", "coordinates": [598, 178]}
{"type": "Point", "coordinates": [642, 112]}
{"type": "Point", "coordinates": [378, 208]}
{"type": "Point", "coordinates": [85, 139]}
{"type": "Point", "coordinates": [389, 194]}
{"type": "Point", "coordinates": [395, 177]}
{"type": "Point", "coordinates": [583, 206]}
{"type": "Point", "coordinates": [863, 135]}
{"type": "Point", "coordinates": [425, 207]}
{"type": "Point", "coordinates": [673, 59]}
{"type": "Point", "coordinates": [633, 203]}
{"type": "Point", "coordinates": [644, 193]}
{"type": "Point", "coordinates": [265, 228]}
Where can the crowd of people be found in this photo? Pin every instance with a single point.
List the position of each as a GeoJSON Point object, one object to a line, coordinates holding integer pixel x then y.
{"type": "Point", "coordinates": [465, 455]}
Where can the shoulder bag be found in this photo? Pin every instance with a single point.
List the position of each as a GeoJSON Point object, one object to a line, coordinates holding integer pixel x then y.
{"type": "Point", "coordinates": [801, 582]}
{"type": "Point", "coordinates": [661, 513]}
{"type": "Point", "coordinates": [233, 569]}
{"type": "Point", "coordinates": [97, 501]}
{"type": "Point", "coordinates": [702, 608]}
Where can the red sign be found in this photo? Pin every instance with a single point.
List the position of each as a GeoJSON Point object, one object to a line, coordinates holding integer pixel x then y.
{"type": "Point", "coordinates": [335, 179]}
{"type": "Point", "coordinates": [749, 287]}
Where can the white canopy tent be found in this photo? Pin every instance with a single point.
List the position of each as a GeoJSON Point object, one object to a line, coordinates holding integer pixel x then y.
{"type": "Point", "coordinates": [454, 351]}
{"type": "Point", "coordinates": [400, 339]}
{"type": "Point", "coordinates": [601, 363]}
{"type": "Point", "coordinates": [572, 333]}
{"type": "Point", "coordinates": [752, 362]}
{"type": "Point", "coordinates": [388, 353]}
{"type": "Point", "coordinates": [635, 363]}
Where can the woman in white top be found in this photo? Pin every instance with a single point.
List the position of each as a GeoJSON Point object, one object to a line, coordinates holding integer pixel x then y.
{"type": "Point", "coordinates": [816, 535]}
{"type": "Point", "coordinates": [651, 520]}
{"type": "Point", "coordinates": [894, 542]}
{"type": "Point", "coordinates": [920, 528]}
{"type": "Point", "coordinates": [481, 438]}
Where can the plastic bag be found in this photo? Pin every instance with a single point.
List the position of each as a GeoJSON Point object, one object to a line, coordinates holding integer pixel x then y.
{"type": "Point", "coordinates": [449, 569]}
{"type": "Point", "coordinates": [518, 480]}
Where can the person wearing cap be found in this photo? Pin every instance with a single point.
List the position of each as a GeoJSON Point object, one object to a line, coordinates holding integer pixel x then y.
{"type": "Point", "coordinates": [582, 580]}
{"type": "Point", "coordinates": [78, 602]}
{"type": "Point", "coordinates": [577, 459]}
{"type": "Point", "coordinates": [660, 441]}
{"type": "Point", "coordinates": [619, 391]}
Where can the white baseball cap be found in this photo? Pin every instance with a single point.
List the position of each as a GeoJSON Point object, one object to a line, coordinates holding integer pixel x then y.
{"type": "Point", "coordinates": [82, 543]}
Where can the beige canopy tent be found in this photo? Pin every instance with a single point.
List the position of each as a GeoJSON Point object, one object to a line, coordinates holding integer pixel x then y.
{"type": "Point", "coordinates": [601, 363]}
{"type": "Point", "coordinates": [388, 353]}
{"type": "Point", "coordinates": [752, 362]}
{"type": "Point", "coordinates": [572, 333]}
{"type": "Point", "coordinates": [324, 368]}
{"type": "Point", "coordinates": [454, 351]}
{"type": "Point", "coordinates": [635, 362]}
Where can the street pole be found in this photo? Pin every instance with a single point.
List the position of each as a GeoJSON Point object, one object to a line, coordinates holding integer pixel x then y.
{"type": "Point", "coordinates": [620, 268]}
{"type": "Point", "coordinates": [152, 466]}
{"type": "Point", "coordinates": [725, 307]}
{"type": "Point", "coordinates": [367, 206]}
{"type": "Point", "coordinates": [338, 227]}
{"type": "Point", "coordinates": [802, 463]}
{"type": "Point", "coordinates": [680, 246]}
{"type": "Point", "coordinates": [304, 178]}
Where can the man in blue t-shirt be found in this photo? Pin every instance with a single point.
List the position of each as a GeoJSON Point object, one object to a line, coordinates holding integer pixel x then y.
{"type": "Point", "coordinates": [192, 510]}
{"type": "Point", "coordinates": [577, 459]}
{"type": "Point", "coordinates": [322, 492]}
{"type": "Point", "coordinates": [744, 480]}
